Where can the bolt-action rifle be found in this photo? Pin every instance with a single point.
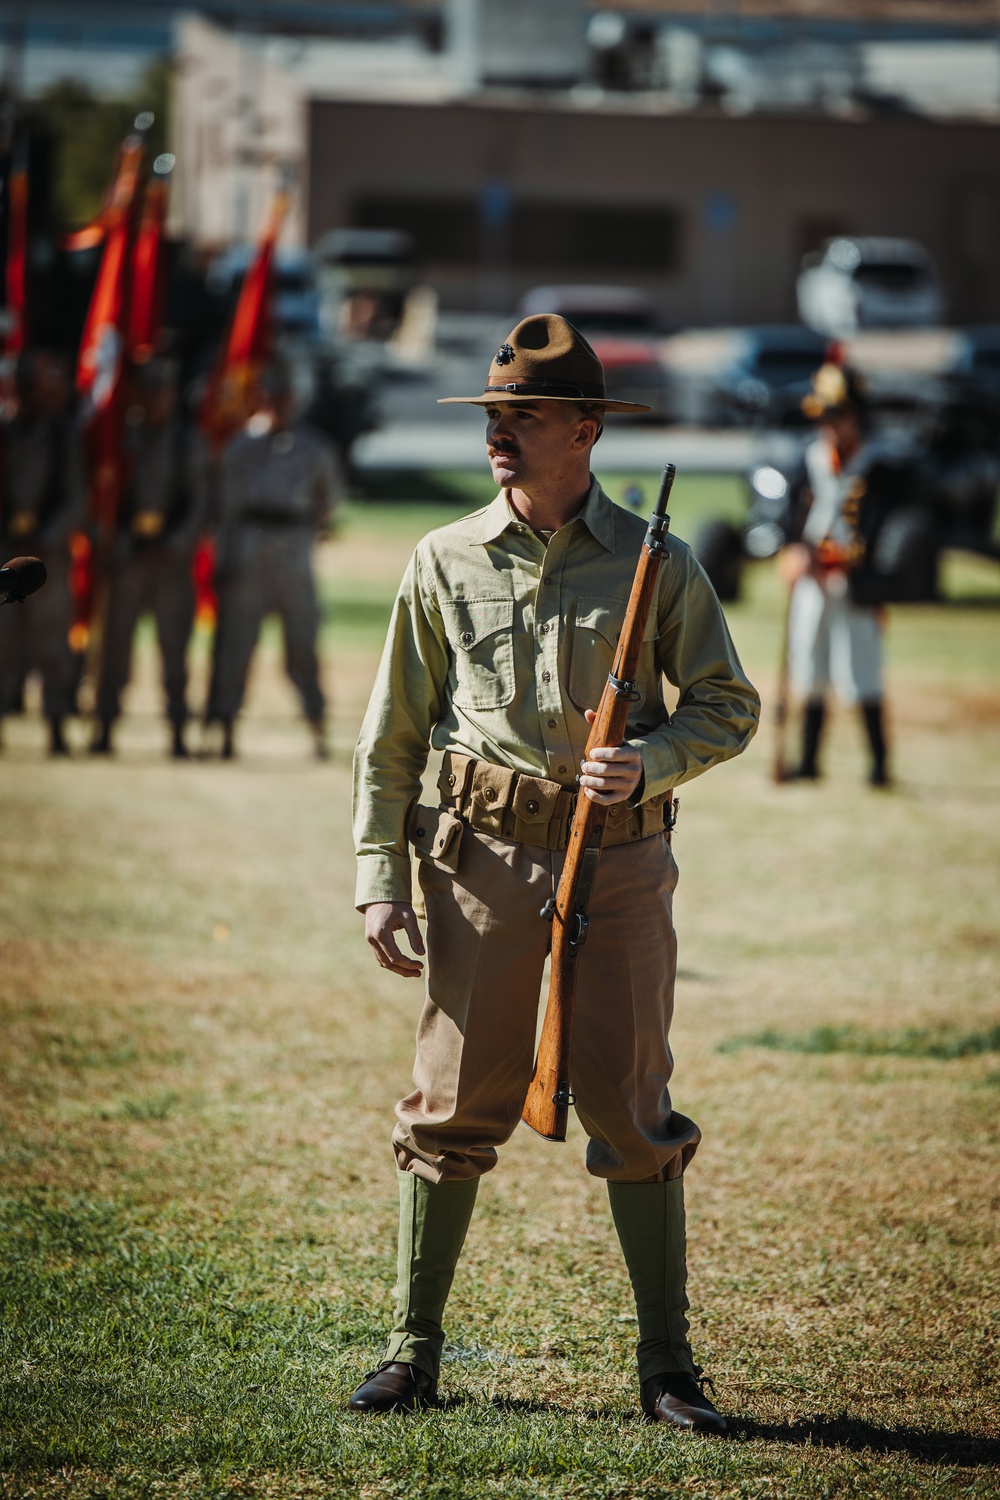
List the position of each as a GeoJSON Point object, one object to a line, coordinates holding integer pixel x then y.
{"type": "Point", "coordinates": [546, 1108]}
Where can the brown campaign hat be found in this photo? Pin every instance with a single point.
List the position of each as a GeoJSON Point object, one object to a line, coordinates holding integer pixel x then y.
{"type": "Point", "coordinates": [544, 359]}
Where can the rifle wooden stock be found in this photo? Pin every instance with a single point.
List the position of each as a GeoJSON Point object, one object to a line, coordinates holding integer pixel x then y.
{"type": "Point", "coordinates": [546, 1109]}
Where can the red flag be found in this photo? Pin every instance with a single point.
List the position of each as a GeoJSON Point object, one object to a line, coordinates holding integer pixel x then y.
{"type": "Point", "coordinates": [99, 366]}
{"type": "Point", "coordinates": [17, 250]}
{"type": "Point", "coordinates": [227, 401]}
{"type": "Point", "coordinates": [203, 577]}
{"type": "Point", "coordinates": [148, 267]}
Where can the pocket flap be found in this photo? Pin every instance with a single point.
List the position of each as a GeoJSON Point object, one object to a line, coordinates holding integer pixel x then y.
{"type": "Point", "coordinates": [534, 800]}
{"type": "Point", "coordinates": [603, 615]}
{"type": "Point", "coordinates": [470, 621]}
{"type": "Point", "coordinates": [436, 834]}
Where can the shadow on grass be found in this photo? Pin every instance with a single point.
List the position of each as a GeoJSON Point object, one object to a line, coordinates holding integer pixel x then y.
{"type": "Point", "coordinates": [962, 1448]}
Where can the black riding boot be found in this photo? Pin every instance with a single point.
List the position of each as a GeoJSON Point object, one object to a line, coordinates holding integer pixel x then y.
{"type": "Point", "coordinates": [101, 742]}
{"type": "Point", "coordinates": [57, 739]}
{"type": "Point", "coordinates": [875, 729]}
{"type": "Point", "coordinates": [812, 733]}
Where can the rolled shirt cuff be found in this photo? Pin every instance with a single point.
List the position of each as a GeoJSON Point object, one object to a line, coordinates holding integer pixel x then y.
{"type": "Point", "coordinates": [382, 877]}
{"type": "Point", "coordinates": [660, 768]}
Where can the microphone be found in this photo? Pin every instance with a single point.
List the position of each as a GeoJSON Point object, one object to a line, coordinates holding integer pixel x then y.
{"type": "Point", "coordinates": [21, 576]}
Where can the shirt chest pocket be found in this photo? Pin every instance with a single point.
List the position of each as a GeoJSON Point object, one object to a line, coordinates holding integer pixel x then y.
{"type": "Point", "coordinates": [481, 634]}
{"type": "Point", "coordinates": [596, 632]}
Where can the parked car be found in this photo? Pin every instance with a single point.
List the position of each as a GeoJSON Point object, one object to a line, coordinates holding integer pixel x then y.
{"type": "Point", "coordinates": [364, 276]}
{"type": "Point", "coordinates": [869, 282]}
{"type": "Point", "coordinates": [624, 327]}
{"type": "Point", "coordinates": [296, 300]}
{"type": "Point", "coordinates": [977, 360]}
{"type": "Point", "coordinates": [766, 377]}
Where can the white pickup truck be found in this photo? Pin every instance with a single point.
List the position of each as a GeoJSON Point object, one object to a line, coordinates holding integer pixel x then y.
{"type": "Point", "coordinates": [869, 282]}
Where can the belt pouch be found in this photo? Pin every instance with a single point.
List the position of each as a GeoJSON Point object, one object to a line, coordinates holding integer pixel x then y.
{"type": "Point", "coordinates": [535, 804]}
{"type": "Point", "coordinates": [491, 793]}
{"type": "Point", "coordinates": [436, 836]}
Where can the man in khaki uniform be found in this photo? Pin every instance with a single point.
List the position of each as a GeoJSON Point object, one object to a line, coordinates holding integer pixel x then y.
{"type": "Point", "coordinates": [499, 648]}
{"type": "Point", "coordinates": [280, 486]}
{"type": "Point", "coordinates": [162, 516]}
{"type": "Point", "coordinates": [42, 494]}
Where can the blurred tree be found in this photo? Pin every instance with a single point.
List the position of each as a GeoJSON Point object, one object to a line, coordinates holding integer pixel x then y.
{"type": "Point", "coordinates": [86, 131]}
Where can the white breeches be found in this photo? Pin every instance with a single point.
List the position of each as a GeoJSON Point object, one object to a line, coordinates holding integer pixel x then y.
{"type": "Point", "coordinates": [831, 640]}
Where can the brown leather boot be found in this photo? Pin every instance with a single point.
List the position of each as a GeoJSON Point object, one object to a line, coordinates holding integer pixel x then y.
{"type": "Point", "coordinates": [394, 1387]}
{"type": "Point", "coordinates": [680, 1401]}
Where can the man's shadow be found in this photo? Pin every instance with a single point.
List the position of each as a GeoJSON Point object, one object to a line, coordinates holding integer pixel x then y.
{"type": "Point", "coordinates": [962, 1448]}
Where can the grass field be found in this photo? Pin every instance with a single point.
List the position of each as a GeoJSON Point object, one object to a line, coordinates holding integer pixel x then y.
{"type": "Point", "coordinates": [200, 1062]}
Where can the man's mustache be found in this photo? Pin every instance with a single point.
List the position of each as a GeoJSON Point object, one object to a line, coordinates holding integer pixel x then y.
{"type": "Point", "coordinates": [501, 449]}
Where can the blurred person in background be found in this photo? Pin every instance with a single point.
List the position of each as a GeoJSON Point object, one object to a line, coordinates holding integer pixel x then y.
{"type": "Point", "coordinates": [848, 485]}
{"type": "Point", "coordinates": [42, 493]}
{"type": "Point", "coordinates": [279, 485]}
{"type": "Point", "coordinates": [159, 523]}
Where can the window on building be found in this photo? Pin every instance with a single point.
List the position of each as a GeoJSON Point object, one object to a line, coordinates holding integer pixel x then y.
{"type": "Point", "coordinates": [541, 236]}
{"type": "Point", "coordinates": [593, 237]}
{"type": "Point", "coordinates": [442, 229]}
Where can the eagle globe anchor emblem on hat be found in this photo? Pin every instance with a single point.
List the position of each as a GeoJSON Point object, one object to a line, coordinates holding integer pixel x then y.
{"type": "Point", "coordinates": [546, 359]}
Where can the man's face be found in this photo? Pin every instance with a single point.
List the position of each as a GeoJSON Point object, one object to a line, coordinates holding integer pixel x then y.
{"type": "Point", "coordinates": [533, 442]}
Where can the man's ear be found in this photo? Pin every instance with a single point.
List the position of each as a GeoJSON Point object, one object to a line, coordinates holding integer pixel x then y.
{"type": "Point", "coordinates": [582, 438]}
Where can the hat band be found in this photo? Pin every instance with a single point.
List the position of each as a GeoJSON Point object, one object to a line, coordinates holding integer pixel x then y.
{"type": "Point", "coordinates": [550, 388]}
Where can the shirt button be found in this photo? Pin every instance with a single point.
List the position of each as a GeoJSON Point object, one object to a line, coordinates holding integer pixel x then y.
{"type": "Point", "coordinates": [467, 638]}
{"type": "Point", "coordinates": [544, 629]}
{"type": "Point", "coordinates": [562, 770]}
{"type": "Point", "coordinates": [552, 723]}
{"type": "Point", "coordinates": [546, 676]}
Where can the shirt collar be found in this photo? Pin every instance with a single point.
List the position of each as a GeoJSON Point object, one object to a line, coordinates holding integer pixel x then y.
{"type": "Point", "coordinates": [597, 515]}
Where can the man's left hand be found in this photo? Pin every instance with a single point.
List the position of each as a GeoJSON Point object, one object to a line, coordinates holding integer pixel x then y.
{"type": "Point", "coordinates": [612, 772]}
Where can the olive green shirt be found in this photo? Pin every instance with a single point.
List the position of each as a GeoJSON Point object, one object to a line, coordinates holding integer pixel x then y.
{"type": "Point", "coordinates": [497, 644]}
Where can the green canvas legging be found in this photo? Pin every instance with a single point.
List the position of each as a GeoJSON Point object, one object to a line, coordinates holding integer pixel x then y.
{"type": "Point", "coordinates": [434, 1220]}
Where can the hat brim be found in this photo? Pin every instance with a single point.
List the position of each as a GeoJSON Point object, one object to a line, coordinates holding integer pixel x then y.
{"type": "Point", "coordinates": [507, 398]}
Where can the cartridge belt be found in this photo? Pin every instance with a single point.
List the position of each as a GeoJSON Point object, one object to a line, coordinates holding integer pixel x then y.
{"type": "Point", "coordinates": [507, 804]}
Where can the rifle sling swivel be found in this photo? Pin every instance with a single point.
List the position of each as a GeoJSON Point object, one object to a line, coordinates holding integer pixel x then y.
{"type": "Point", "coordinates": [624, 689]}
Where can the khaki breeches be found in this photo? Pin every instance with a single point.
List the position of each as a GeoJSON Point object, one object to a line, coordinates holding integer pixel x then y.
{"type": "Point", "coordinates": [486, 947]}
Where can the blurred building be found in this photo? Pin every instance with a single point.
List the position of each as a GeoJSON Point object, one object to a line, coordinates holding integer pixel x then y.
{"type": "Point", "coordinates": [694, 150]}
